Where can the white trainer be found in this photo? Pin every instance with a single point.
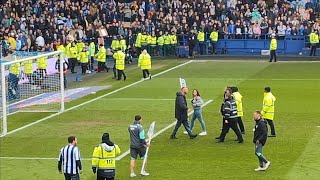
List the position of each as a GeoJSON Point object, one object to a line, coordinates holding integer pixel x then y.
{"type": "Point", "coordinates": [185, 132]}
{"type": "Point", "coordinates": [267, 165]}
{"type": "Point", "coordinates": [133, 175]}
{"type": "Point", "coordinates": [260, 169]}
{"type": "Point", "coordinates": [203, 133]}
{"type": "Point", "coordinates": [144, 173]}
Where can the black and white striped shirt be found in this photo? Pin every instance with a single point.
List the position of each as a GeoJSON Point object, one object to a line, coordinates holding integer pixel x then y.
{"type": "Point", "coordinates": [69, 158]}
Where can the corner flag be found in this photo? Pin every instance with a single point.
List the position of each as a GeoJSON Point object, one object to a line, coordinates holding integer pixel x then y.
{"type": "Point", "coordinates": [183, 83]}
{"type": "Point", "coordinates": [150, 135]}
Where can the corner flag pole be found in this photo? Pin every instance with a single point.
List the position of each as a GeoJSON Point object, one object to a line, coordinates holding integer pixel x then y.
{"type": "Point", "coordinates": [150, 135]}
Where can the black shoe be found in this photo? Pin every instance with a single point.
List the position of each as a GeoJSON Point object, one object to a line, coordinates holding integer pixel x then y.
{"type": "Point", "coordinates": [217, 138]}
{"type": "Point", "coordinates": [124, 78]}
{"type": "Point", "coordinates": [173, 137]}
{"type": "Point", "coordinates": [193, 136]}
{"type": "Point", "coordinates": [270, 61]}
{"type": "Point", "coordinates": [108, 69]}
{"type": "Point", "coordinates": [272, 135]}
{"type": "Point", "coordinates": [243, 132]}
{"type": "Point", "coordinates": [240, 142]}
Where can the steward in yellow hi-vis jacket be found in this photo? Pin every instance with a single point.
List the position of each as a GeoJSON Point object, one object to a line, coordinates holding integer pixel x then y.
{"type": "Point", "coordinates": [268, 109]}
{"type": "Point", "coordinates": [42, 66]}
{"type": "Point", "coordinates": [120, 57]}
{"type": "Point", "coordinates": [103, 158]}
{"type": "Point", "coordinates": [73, 55]}
{"type": "Point", "coordinates": [84, 60]}
{"type": "Point", "coordinates": [144, 63]}
{"type": "Point", "coordinates": [273, 48]}
{"type": "Point", "coordinates": [173, 43]}
{"type": "Point", "coordinates": [28, 69]}
{"type": "Point", "coordinates": [201, 39]}
{"type": "Point", "coordinates": [238, 98]}
{"type": "Point", "coordinates": [214, 39]}
{"type": "Point", "coordinates": [101, 58]}
{"type": "Point", "coordinates": [314, 41]}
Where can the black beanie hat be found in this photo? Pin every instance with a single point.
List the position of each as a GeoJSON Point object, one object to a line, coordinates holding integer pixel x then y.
{"type": "Point", "coordinates": [105, 139]}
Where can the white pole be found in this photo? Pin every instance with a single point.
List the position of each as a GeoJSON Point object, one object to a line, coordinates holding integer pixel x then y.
{"type": "Point", "coordinates": [61, 69]}
{"type": "Point", "coordinates": [146, 157]}
{"type": "Point", "coordinates": [4, 100]}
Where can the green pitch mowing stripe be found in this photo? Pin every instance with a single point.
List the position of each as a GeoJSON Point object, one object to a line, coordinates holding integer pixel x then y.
{"type": "Point", "coordinates": [92, 100]}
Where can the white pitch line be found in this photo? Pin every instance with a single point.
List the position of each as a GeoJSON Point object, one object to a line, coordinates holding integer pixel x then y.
{"type": "Point", "coordinates": [244, 79]}
{"type": "Point", "coordinates": [142, 99]}
{"type": "Point", "coordinates": [161, 131]}
{"type": "Point", "coordinates": [92, 100]}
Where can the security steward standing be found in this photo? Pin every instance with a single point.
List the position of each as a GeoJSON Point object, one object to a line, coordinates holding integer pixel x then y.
{"type": "Point", "coordinates": [192, 43]}
{"type": "Point", "coordinates": [314, 41]}
{"type": "Point", "coordinates": [101, 58]}
{"type": "Point", "coordinates": [103, 159]}
{"type": "Point", "coordinates": [273, 48]}
{"type": "Point", "coordinates": [238, 98]}
{"type": "Point", "coordinates": [214, 39]}
{"type": "Point", "coordinates": [260, 139]}
{"type": "Point", "coordinates": [144, 63]}
{"type": "Point", "coordinates": [73, 54]}
{"type": "Point", "coordinates": [229, 112]}
{"type": "Point", "coordinates": [120, 57]}
{"type": "Point", "coordinates": [268, 109]}
{"type": "Point", "coordinates": [84, 60]}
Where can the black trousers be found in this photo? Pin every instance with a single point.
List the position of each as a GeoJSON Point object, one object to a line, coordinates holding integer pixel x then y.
{"type": "Point", "coordinates": [71, 176]}
{"type": "Point", "coordinates": [191, 48]}
{"type": "Point", "coordinates": [105, 174]}
{"type": "Point", "coordinates": [120, 73]}
{"type": "Point", "coordinates": [114, 69]}
{"type": "Point", "coordinates": [104, 178]}
{"type": "Point", "coordinates": [273, 55]}
{"type": "Point", "coordinates": [313, 50]}
{"type": "Point", "coordinates": [240, 123]}
{"type": "Point", "coordinates": [213, 44]}
{"type": "Point", "coordinates": [202, 46]}
{"type": "Point", "coordinates": [84, 68]}
{"type": "Point", "coordinates": [273, 130]}
{"type": "Point", "coordinates": [102, 66]}
{"type": "Point", "coordinates": [91, 63]}
{"type": "Point", "coordinates": [145, 73]}
{"type": "Point", "coordinates": [72, 63]}
{"type": "Point", "coordinates": [43, 72]}
{"type": "Point", "coordinates": [233, 124]}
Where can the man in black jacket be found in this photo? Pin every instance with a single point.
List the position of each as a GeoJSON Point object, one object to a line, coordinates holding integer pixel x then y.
{"type": "Point", "coordinates": [192, 43]}
{"type": "Point", "coordinates": [259, 139]}
{"type": "Point", "coordinates": [230, 114]}
{"type": "Point", "coordinates": [181, 113]}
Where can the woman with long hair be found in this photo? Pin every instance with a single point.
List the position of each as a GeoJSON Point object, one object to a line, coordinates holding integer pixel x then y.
{"type": "Point", "coordinates": [197, 102]}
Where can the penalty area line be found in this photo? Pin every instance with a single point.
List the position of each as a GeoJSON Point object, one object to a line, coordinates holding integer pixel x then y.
{"type": "Point", "coordinates": [94, 99]}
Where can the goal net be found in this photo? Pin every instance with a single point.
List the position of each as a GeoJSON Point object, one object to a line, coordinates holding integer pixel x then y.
{"type": "Point", "coordinates": [31, 82]}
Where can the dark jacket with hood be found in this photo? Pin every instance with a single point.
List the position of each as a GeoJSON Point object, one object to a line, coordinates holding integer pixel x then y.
{"type": "Point", "coordinates": [260, 132]}
{"type": "Point", "coordinates": [181, 108]}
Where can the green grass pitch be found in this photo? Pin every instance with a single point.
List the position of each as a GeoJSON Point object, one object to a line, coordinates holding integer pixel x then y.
{"type": "Point", "coordinates": [294, 153]}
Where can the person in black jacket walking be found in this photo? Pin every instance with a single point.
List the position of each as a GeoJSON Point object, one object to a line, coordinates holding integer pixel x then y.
{"type": "Point", "coordinates": [259, 139]}
{"type": "Point", "coordinates": [230, 114]}
{"type": "Point", "coordinates": [181, 114]}
{"type": "Point", "coordinates": [192, 40]}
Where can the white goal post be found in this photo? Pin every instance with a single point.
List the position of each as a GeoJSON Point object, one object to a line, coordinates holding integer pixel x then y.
{"type": "Point", "coordinates": [31, 84]}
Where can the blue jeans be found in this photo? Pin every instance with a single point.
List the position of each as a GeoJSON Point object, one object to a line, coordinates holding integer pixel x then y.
{"type": "Point", "coordinates": [197, 114]}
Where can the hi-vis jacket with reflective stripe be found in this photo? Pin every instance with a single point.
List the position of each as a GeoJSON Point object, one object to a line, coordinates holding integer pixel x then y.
{"type": "Point", "coordinates": [268, 106]}
{"type": "Point", "coordinates": [103, 156]}
{"type": "Point", "coordinates": [238, 97]}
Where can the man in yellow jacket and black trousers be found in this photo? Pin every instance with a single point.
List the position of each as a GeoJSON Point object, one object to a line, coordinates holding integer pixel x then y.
{"type": "Point", "coordinates": [120, 57]}
{"type": "Point", "coordinates": [84, 60]}
{"type": "Point", "coordinates": [73, 55]}
{"type": "Point", "coordinates": [268, 109]}
{"type": "Point", "coordinates": [238, 97]}
{"type": "Point", "coordinates": [103, 159]}
{"type": "Point", "coordinates": [214, 39]}
{"type": "Point", "coordinates": [273, 48]}
{"type": "Point", "coordinates": [144, 63]}
{"type": "Point", "coordinates": [314, 41]}
{"type": "Point", "coordinates": [201, 39]}
{"type": "Point", "coordinates": [101, 58]}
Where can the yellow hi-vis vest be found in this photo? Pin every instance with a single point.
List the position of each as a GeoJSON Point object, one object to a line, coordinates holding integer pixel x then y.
{"type": "Point", "coordinates": [119, 56]}
{"type": "Point", "coordinates": [144, 39]}
{"type": "Point", "coordinates": [173, 39]}
{"type": "Point", "coordinates": [273, 44]}
{"type": "Point", "coordinates": [144, 61]}
{"type": "Point", "coordinates": [28, 67]}
{"type": "Point", "coordinates": [84, 57]}
{"type": "Point", "coordinates": [102, 159]}
{"type": "Point", "coordinates": [238, 97]}
{"type": "Point", "coordinates": [101, 55]}
{"type": "Point", "coordinates": [92, 49]}
{"type": "Point", "coordinates": [314, 38]}
{"type": "Point", "coordinates": [80, 46]}
{"type": "Point", "coordinates": [167, 39]}
{"type": "Point", "coordinates": [138, 41]}
{"type": "Point", "coordinates": [42, 63]}
{"type": "Point", "coordinates": [201, 36]}
{"type": "Point", "coordinates": [160, 41]}
{"type": "Point", "coordinates": [15, 68]}
{"type": "Point", "coordinates": [214, 36]}
{"type": "Point", "coordinates": [73, 52]}
{"type": "Point", "coordinates": [123, 45]}
{"type": "Point", "coordinates": [268, 106]}
{"type": "Point", "coordinates": [63, 49]}
{"type": "Point", "coordinates": [115, 44]}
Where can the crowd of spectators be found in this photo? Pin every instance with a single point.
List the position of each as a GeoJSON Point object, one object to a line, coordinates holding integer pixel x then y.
{"type": "Point", "coordinates": [31, 25]}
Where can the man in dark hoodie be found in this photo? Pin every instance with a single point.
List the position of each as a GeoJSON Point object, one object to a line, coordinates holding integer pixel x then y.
{"type": "Point", "coordinates": [259, 139]}
{"type": "Point", "coordinates": [181, 113]}
{"type": "Point", "coordinates": [103, 158]}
